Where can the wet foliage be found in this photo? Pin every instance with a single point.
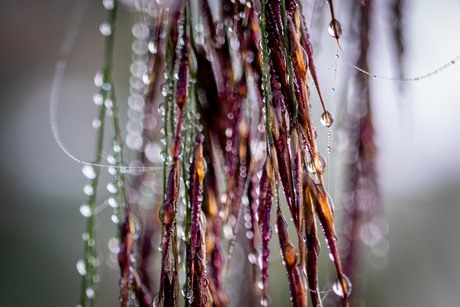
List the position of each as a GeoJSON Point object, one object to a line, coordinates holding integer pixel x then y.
{"type": "Point", "coordinates": [231, 83]}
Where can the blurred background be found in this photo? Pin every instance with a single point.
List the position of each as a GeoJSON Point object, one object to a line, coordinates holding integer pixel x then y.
{"type": "Point", "coordinates": [417, 137]}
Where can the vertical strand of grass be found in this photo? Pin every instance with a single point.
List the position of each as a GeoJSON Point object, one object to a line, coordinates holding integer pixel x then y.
{"type": "Point", "coordinates": [288, 59]}
{"type": "Point", "coordinates": [266, 74]}
{"type": "Point", "coordinates": [88, 292]}
{"type": "Point", "coordinates": [168, 85]}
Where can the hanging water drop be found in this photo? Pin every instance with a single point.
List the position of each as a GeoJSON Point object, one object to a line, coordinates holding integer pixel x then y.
{"type": "Point", "coordinates": [97, 98]}
{"type": "Point", "coordinates": [112, 202]}
{"type": "Point", "coordinates": [108, 4]}
{"type": "Point", "coordinates": [115, 219]}
{"type": "Point", "coordinates": [105, 28]}
{"type": "Point", "coordinates": [89, 172]}
{"type": "Point", "coordinates": [327, 119]}
{"type": "Point", "coordinates": [252, 258]}
{"type": "Point", "coordinates": [111, 188]}
{"type": "Point", "coordinates": [140, 31]}
{"type": "Point", "coordinates": [111, 159]}
{"type": "Point", "coordinates": [85, 210]}
{"type": "Point", "coordinates": [96, 123]}
{"type": "Point", "coordinates": [317, 164]}
{"type": "Point", "coordinates": [85, 236]}
{"type": "Point", "coordinates": [108, 103]}
{"type": "Point", "coordinates": [98, 81]}
{"type": "Point", "coordinates": [90, 292]}
{"type": "Point", "coordinates": [265, 301]}
{"type": "Point", "coordinates": [116, 145]}
{"type": "Point", "coordinates": [153, 48]}
{"type": "Point", "coordinates": [114, 246]}
{"type": "Point", "coordinates": [88, 190]}
{"type": "Point", "coordinates": [81, 267]}
{"type": "Point", "coordinates": [337, 287]}
{"type": "Point", "coordinates": [335, 28]}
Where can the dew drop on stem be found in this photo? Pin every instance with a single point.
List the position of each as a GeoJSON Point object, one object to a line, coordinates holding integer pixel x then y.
{"type": "Point", "coordinates": [108, 4]}
{"type": "Point", "coordinates": [85, 210]}
{"type": "Point", "coordinates": [81, 267]}
{"type": "Point", "coordinates": [337, 287]}
{"type": "Point", "coordinates": [335, 28]}
{"type": "Point", "coordinates": [88, 172]}
{"type": "Point", "coordinates": [105, 28]}
{"type": "Point", "coordinates": [88, 190]}
{"type": "Point", "coordinates": [327, 119]}
{"type": "Point", "coordinates": [97, 98]}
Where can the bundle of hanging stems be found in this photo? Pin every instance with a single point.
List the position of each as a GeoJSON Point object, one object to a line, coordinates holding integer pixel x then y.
{"type": "Point", "coordinates": [239, 144]}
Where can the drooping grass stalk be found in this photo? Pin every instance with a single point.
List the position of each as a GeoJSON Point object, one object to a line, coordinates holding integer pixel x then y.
{"type": "Point", "coordinates": [265, 72]}
{"type": "Point", "coordinates": [361, 189]}
{"type": "Point", "coordinates": [211, 120]}
{"type": "Point", "coordinates": [88, 293]}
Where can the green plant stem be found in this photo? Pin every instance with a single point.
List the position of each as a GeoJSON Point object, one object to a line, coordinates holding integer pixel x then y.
{"type": "Point", "coordinates": [265, 74]}
{"type": "Point", "coordinates": [90, 252]}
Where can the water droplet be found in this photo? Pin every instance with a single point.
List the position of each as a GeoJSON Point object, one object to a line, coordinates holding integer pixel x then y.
{"type": "Point", "coordinates": [188, 294]}
{"type": "Point", "coordinates": [252, 258]}
{"type": "Point", "coordinates": [115, 219]}
{"type": "Point", "coordinates": [96, 123]}
{"type": "Point", "coordinates": [327, 119]}
{"type": "Point", "coordinates": [114, 246]}
{"type": "Point", "coordinates": [265, 301]}
{"type": "Point", "coordinates": [260, 284]}
{"type": "Point", "coordinates": [228, 132]}
{"type": "Point", "coordinates": [116, 145]}
{"type": "Point", "coordinates": [317, 164]}
{"type": "Point", "coordinates": [88, 171]}
{"type": "Point", "coordinates": [106, 87]}
{"type": "Point", "coordinates": [88, 190]}
{"type": "Point", "coordinates": [85, 210]}
{"type": "Point", "coordinates": [111, 188]}
{"type": "Point", "coordinates": [81, 267]}
{"type": "Point", "coordinates": [91, 242]}
{"type": "Point", "coordinates": [98, 81]}
{"type": "Point", "coordinates": [335, 28]}
{"type": "Point", "coordinates": [164, 89]}
{"type": "Point", "coordinates": [153, 48]}
{"type": "Point", "coordinates": [140, 30]}
{"type": "Point", "coordinates": [111, 159]}
{"type": "Point", "coordinates": [337, 287]}
{"type": "Point", "coordinates": [112, 202]}
{"type": "Point", "coordinates": [108, 4]}
{"type": "Point", "coordinates": [96, 279]}
{"type": "Point", "coordinates": [97, 98]}
{"type": "Point", "coordinates": [108, 103]}
{"type": "Point", "coordinates": [85, 236]}
{"type": "Point", "coordinates": [90, 292]}
{"type": "Point", "coordinates": [105, 28]}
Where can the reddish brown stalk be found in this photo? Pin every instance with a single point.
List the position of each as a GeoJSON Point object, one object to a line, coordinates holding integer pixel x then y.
{"type": "Point", "coordinates": [214, 250]}
{"type": "Point", "coordinates": [124, 259]}
{"type": "Point", "coordinates": [311, 236]}
{"type": "Point", "coordinates": [264, 212]}
{"type": "Point", "coordinates": [289, 254]}
{"type": "Point", "coordinates": [307, 47]}
{"type": "Point", "coordinates": [335, 23]}
{"type": "Point", "coordinates": [197, 172]}
{"type": "Point", "coordinates": [167, 217]}
{"type": "Point", "coordinates": [361, 179]}
{"type": "Point", "coordinates": [324, 210]}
